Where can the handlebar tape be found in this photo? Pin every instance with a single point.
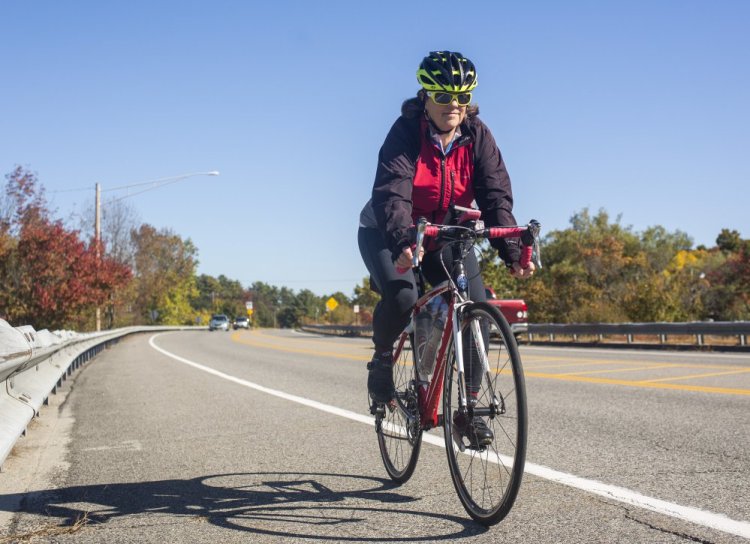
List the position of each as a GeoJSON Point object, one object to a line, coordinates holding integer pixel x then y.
{"type": "Point", "coordinates": [526, 252]}
{"type": "Point", "coordinates": [506, 232]}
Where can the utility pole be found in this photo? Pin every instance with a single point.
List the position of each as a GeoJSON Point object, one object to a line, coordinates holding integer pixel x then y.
{"type": "Point", "coordinates": [97, 241]}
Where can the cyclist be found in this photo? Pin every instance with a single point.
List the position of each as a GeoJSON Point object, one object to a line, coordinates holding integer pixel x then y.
{"type": "Point", "coordinates": [437, 154]}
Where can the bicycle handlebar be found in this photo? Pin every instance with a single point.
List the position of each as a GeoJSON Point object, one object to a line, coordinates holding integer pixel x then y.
{"type": "Point", "coordinates": [528, 234]}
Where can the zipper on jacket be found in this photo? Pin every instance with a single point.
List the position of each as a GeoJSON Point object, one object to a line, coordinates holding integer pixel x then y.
{"type": "Point", "coordinates": [453, 187]}
{"type": "Point", "coordinates": [442, 182]}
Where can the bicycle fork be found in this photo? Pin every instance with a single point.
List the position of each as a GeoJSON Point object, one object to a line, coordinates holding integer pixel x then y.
{"type": "Point", "coordinates": [466, 409]}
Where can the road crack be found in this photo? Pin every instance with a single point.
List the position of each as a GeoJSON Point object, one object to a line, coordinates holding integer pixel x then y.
{"type": "Point", "coordinates": [668, 531]}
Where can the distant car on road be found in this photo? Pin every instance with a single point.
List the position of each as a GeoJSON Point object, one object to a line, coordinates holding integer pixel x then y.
{"type": "Point", "coordinates": [514, 310]}
{"type": "Point", "coordinates": [218, 322]}
{"type": "Point", "coordinates": [241, 322]}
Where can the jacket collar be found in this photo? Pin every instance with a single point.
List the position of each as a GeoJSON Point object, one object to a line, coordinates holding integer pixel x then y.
{"type": "Point", "coordinates": [464, 137]}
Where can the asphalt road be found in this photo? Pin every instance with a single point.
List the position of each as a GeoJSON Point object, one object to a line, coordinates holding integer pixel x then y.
{"type": "Point", "coordinates": [265, 436]}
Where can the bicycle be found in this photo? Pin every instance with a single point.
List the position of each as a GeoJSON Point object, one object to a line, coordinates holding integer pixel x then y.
{"type": "Point", "coordinates": [486, 476]}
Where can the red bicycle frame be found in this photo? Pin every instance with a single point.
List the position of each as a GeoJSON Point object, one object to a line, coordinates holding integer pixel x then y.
{"type": "Point", "coordinates": [429, 392]}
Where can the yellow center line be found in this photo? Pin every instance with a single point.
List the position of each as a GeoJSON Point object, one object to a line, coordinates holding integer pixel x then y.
{"type": "Point", "coordinates": [236, 338]}
{"type": "Point", "coordinates": [743, 371]}
{"type": "Point", "coordinates": [530, 364]}
{"type": "Point", "coordinates": [646, 384]}
{"type": "Point", "coordinates": [608, 370]}
{"type": "Point", "coordinates": [649, 384]}
{"type": "Point", "coordinates": [582, 362]}
{"type": "Point", "coordinates": [598, 362]}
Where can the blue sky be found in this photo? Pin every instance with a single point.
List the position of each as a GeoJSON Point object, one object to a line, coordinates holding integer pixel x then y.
{"type": "Point", "coordinates": [640, 108]}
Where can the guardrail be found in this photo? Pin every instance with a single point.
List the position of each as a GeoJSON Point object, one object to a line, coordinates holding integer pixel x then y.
{"type": "Point", "coordinates": [34, 364]}
{"type": "Point", "coordinates": [700, 331]}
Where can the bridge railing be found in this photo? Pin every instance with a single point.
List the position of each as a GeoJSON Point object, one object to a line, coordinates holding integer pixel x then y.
{"type": "Point", "coordinates": [698, 333]}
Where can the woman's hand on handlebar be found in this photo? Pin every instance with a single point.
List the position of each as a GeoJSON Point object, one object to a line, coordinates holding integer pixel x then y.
{"type": "Point", "coordinates": [404, 261]}
{"type": "Point", "coordinates": [517, 272]}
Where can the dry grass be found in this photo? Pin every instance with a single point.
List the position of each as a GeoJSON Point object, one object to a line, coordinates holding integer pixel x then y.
{"type": "Point", "coordinates": [47, 531]}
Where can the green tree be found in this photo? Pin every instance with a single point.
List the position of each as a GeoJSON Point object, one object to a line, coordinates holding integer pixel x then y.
{"type": "Point", "coordinates": [165, 275]}
{"type": "Point", "coordinates": [367, 299]}
{"type": "Point", "coordinates": [729, 240]}
{"type": "Point", "coordinates": [266, 304]}
{"type": "Point", "coordinates": [661, 246]}
{"type": "Point", "coordinates": [307, 308]}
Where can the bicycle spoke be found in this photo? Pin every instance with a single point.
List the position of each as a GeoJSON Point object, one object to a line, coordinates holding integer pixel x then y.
{"type": "Point", "coordinates": [487, 477]}
{"type": "Point", "coordinates": [399, 440]}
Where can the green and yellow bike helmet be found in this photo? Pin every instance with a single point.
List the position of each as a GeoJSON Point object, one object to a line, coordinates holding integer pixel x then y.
{"type": "Point", "coordinates": [447, 71]}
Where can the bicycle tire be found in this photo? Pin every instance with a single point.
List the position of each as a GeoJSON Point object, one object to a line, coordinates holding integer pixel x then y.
{"type": "Point", "coordinates": [487, 478]}
{"type": "Point", "coordinates": [397, 422]}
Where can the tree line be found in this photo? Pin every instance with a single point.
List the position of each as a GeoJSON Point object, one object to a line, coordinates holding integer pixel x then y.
{"type": "Point", "coordinates": [54, 276]}
{"type": "Point", "coordinates": [599, 271]}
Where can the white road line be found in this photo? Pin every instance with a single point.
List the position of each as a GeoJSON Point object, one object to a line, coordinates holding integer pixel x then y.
{"type": "Point", "coordinates": [693, 515]}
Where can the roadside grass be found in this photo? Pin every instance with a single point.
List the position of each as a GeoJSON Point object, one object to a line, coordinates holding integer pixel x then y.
{"type": "Point", "coordinates": [48, 531]}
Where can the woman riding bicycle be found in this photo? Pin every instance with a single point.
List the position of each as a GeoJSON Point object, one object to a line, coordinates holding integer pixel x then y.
{"type": "Point", "coordinates": [436, 155]}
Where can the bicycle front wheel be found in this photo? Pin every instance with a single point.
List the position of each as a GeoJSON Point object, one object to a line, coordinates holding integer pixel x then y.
{"type": "Point", "coordinates": [397, 422]}
{"type": "Point", "coordinates": [486, 467]}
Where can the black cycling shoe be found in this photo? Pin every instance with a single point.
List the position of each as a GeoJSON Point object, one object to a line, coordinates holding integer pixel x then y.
{"type": "Point", "coordinates": [380, 378]}
{"type": "Point", "coordinates": [475, 430]}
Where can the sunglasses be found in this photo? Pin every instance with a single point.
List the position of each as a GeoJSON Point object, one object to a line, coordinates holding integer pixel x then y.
{"type": "Point", "coordinates": [443, 99]}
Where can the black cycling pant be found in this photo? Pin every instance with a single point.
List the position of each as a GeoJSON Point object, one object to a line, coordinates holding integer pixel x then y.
{"type": "Point", "coordinates": [399, 291]}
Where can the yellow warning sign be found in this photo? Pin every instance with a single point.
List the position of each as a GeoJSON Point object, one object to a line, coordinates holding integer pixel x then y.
{"type": "Point", "coordinates": [331, 304]}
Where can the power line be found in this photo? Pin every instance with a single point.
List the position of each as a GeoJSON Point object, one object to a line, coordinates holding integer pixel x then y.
{"type": "Point", "coordinates": [161, 181]}
{"type": "Point", "coordinates": [156, 182]}
{"type": "Point", "coordinates": [111, 201]}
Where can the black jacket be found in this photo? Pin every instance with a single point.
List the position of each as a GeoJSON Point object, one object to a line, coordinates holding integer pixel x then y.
{"type": "Point", "coordinates": [397, 167]}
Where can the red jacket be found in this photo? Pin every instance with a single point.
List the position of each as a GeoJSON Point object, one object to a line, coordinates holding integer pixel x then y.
{"type": "Point", "coordinates": [414, 179]}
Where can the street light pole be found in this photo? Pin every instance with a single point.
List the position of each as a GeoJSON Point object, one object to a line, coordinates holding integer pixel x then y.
{"type": "Point", "coordinates": [97, 220]}
{"type": "Point", "coordinates": [97, 242]}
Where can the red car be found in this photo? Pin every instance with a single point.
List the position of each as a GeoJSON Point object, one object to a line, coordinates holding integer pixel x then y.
{"type": "Point", "coordinates": [514, 310]}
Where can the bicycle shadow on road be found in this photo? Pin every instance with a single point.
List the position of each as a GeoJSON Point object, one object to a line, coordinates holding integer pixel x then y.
{"type": "Point", "coordinates": [284, 504]}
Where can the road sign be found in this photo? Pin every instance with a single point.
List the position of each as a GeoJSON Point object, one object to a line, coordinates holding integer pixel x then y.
{"type": "Point", "coordinates": [249, 311]}
{"type": "Point", "coordinates": [331, 304]}
{"type": "Point", "coordinates": [356, 308]}
{"type": "Point", "coordinates": [249, 305]}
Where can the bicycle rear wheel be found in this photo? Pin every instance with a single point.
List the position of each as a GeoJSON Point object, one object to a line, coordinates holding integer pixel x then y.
{"type": "Point", "coordinates": [397, 422]}
{"type": "Point", "coordinates": [486, 476]}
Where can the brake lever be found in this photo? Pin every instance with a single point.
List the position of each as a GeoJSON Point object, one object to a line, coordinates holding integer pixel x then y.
{"type": "Point", "coordinates": [421, 225]}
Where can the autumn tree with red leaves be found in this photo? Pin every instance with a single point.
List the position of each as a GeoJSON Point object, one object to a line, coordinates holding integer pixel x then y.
{"type": "Point", "coordinates": [49, 278]}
